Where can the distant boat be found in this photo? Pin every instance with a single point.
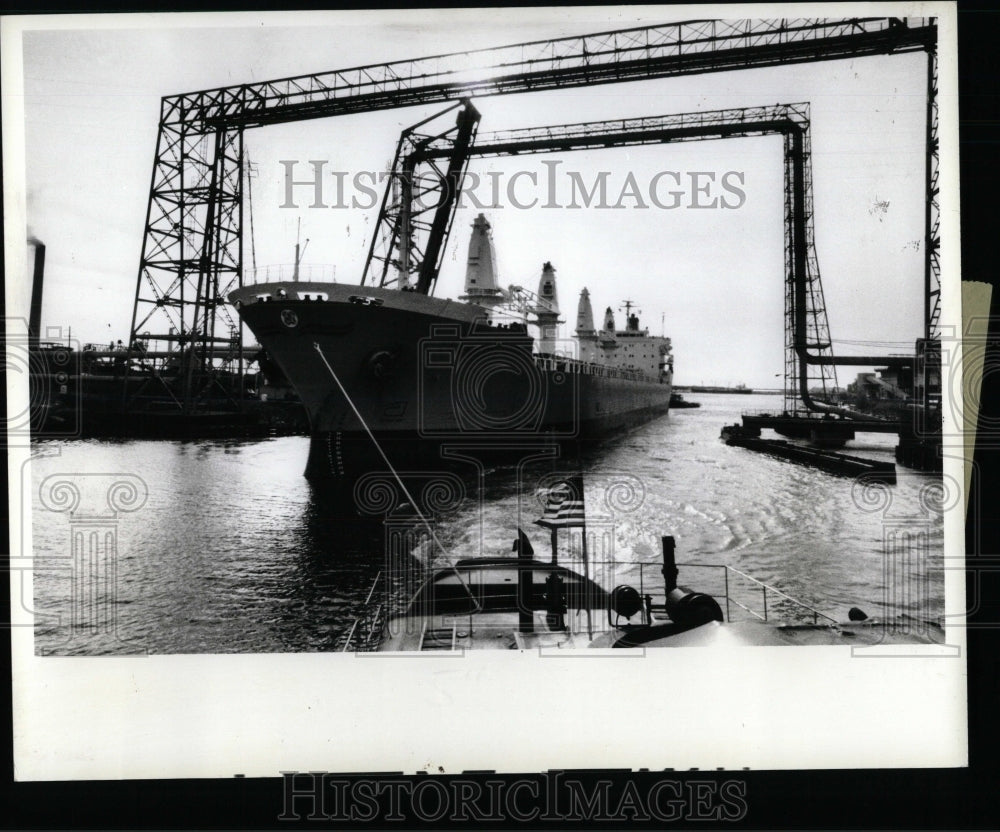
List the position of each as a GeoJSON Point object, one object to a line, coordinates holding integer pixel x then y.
{"type": "Point", "coordinates": [677, 401]}
{"type": "Point", "coordinates": [739, 388]}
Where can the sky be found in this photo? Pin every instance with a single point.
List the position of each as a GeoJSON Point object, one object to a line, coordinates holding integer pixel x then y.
{"type": "Point", "coordinates": [711, 279]}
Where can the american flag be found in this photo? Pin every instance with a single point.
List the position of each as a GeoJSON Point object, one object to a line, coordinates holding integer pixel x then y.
{"type": "Point", "coordinates": [564, 505]}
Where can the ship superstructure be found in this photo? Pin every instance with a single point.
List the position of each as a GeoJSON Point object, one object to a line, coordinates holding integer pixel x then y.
{"type": "Point", "coordinates": [631, 348]}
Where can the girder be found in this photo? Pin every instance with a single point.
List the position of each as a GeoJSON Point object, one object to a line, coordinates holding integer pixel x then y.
{"type": "Point", "coordinates": [604, 57]}
{"type": "Point", "coordinates": [675, 127]}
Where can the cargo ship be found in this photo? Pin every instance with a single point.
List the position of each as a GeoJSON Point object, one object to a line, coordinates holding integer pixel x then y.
{"type": "Point", "coordinates": [393, 378]}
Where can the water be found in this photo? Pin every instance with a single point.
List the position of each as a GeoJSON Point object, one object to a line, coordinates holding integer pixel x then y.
{"type": "Point", "coordinates": [233, 551]}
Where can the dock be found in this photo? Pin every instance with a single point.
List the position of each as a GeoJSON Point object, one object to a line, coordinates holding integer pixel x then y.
{"type": "Point", "coordinates": [817, 429]}
{"type": "Point", "coordinates": [919, 445]}
{"type": "Point", "coordinates": [833, 462]}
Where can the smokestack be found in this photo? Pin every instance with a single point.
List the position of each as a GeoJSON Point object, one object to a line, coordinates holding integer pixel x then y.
{"type": "Point", "coordinates": [35, 315]}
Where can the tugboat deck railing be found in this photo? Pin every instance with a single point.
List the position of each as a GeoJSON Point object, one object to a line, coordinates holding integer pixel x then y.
{"type": "Point", "coordinates": [366, 630]}
{"type": "Point", "coordinates": [727, 596]}
{"type": "Point", "coordinates": [736, 592]}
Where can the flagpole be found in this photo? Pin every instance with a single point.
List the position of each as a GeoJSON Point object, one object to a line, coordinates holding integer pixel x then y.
{"type": "Point", "coordinates": [586, 582]}
{"type": "Point", "coordinates": [565, 507]}
{"type": "Point", "coordinates": [525, 591]}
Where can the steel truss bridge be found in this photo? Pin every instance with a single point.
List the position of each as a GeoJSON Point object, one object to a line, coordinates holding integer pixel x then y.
{"type": "Point", "coordinates": [192, 253]}
{"type": "Point", "coordinates": [421, 205]}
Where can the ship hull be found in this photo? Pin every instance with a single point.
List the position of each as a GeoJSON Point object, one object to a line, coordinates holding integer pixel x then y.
{"type": "Point", "coordinates": [402, 379]}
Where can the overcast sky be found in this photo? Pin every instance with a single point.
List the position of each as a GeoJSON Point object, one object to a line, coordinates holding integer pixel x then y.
{"type": "Point", "coordinates": [712, 279]}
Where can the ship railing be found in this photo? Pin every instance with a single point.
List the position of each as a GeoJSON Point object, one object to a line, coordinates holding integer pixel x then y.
{"type": "Point", "coordinates": [578, 367]}
{"type": "Point", "coordinates": [741, 596]}
{"type": "Point", "coordinates": [366, 631]}
{"type": "Point", "coordinates": [286, 273]}
{"type": "Point", "coordinates": [755, 598]}
{"type": "Point", "coordinates": [506, 316]}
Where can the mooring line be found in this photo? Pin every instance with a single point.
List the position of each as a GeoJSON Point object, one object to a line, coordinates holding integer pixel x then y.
{"type": "Point", "coordinates": [399, 479]}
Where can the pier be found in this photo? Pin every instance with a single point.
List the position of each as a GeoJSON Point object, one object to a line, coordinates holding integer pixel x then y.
{"type": "Point", "coordinates": [829, 461]}
{"type": "Point", "coordinates": [820, 427]}
{"type": "Point", "coordinates": [919, 444]}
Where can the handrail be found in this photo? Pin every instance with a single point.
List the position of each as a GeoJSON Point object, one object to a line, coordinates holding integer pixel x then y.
{"type": "Point", "coordinates": [745, 608]}
{"type": "Point", "coordinates": [727, 594]}
{"type": "Point", "coordinates": [575, 365]}
{"type": "Point", "coordinates": [289, 272]}
{"type": "Point", "coordinates": [350, 636]}
{"type": "Point", "coordinates": [778, 592]}
{"type": "Point", "coordinates": [374, 617]}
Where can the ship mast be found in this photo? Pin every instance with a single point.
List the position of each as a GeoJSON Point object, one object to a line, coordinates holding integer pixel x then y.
{"type": "Point", "coordinates": [631, 321]}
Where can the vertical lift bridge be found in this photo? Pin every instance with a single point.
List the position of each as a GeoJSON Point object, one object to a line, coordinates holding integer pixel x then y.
{"type": "Point", "coordinates": [192, 254]}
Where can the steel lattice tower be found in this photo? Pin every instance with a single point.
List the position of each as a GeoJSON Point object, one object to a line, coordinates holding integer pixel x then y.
{"type": "Point", "coordinates": [192, 256]}
{"type": "Point", "coordinates": [814, 332]}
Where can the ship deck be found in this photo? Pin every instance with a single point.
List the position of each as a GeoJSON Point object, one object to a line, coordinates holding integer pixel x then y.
{"type": "Point", "coordinates": [488, 631]}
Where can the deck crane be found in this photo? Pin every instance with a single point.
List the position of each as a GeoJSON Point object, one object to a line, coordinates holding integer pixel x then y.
{"type": "Point", "coordinates": [193, 237]}
{"type": "Point", "coordinates": [809, 357]}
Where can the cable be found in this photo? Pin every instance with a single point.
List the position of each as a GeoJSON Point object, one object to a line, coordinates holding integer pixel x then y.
{"type": "Point", "coordinates": [385, 459]}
